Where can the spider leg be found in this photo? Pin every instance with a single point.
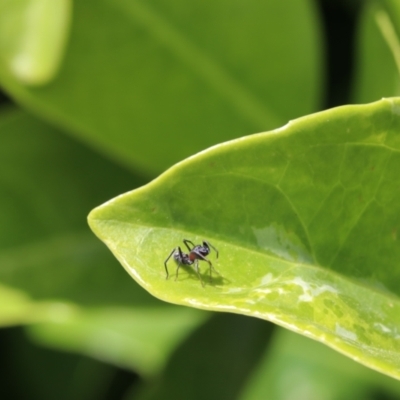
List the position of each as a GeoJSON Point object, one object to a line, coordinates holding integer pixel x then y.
{"type": "Point", "coordinates": [165, 262]}
{"type": "Point", "coordinates": [212, 268]}
{"type": "Point", "coordinates": [179, 262]}
{"type": "Point", "coordinates": [210, 245]}
{"type": "Point", "coordinates": [201, 257]}
{"type": "Point", "coordinates": [196, 267]}
{"type": "Point", "coordinates": [186, 241]}
{"type": "Point", "coordinates": [177, 270]}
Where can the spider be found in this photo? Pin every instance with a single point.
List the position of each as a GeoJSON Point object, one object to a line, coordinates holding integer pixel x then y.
{"type": "Point", "coordinates": [196, 253]}
{"type": "Point", "coordinates": [182, 259]}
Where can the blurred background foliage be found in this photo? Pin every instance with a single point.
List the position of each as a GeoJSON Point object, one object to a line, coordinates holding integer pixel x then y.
{"type": "Point", "coordinates": [101, 96]}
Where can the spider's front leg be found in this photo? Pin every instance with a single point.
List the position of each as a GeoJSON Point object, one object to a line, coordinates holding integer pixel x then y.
{"type": "Point", "coordinates": [210, 245]}
{"type": "Point", "coordinates": [186, 241]}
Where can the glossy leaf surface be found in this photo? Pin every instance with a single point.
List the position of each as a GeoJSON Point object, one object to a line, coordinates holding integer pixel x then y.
{"type": "Point", "coordinates": [306, 221]}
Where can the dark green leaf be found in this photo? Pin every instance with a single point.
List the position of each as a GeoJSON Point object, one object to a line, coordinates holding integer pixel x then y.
{"type": "Point", "coordinates": [185, 74]}
{"type": "Point", "coordinates": [214, 362]}
{"type": "Point", "coordinates": [294, 367]}
{"type": "Point", "coordinates": [377, 71]}
{"type": "Point", "coordinates": [139, 338]}
{"type": "Point", "coordinates": [54, 271]}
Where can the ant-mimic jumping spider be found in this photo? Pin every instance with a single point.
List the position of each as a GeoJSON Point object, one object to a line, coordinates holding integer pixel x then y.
{"type": "Point", "coordinates": [196, 253]}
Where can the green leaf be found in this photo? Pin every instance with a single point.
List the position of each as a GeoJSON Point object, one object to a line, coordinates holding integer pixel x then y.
{"type": "Point", "coordinates": [306, 221]}
{"type": "Point", "coordinates": [294, 366]}
{"type": "Point", "coordinates": [56, 375]}
{"type": "Point", "coordinates": [136, 71]}
{"type": "Point", "coordinates": [377, 71]}
{"type": "Point", "coordinates": [139, 338]}
{"type": "Point", "coordinates": [16, 307]}
{"type": "Point", "coordinates": [33, 35]}
{"type": "Point", "coordinates": [225, 350]}
{"type": "Point", "coordinates": [48, 182]}
{"type": "Point", "coordinates": [54, 272]}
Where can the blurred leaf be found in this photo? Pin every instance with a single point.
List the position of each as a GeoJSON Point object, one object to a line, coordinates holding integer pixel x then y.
{"type": "Point", "coordinates": [152, 82]}
{"type": "Point", "coordinates": [306, 220]}
{"type": "Point", "coordinates": [55, 375]}
{"type": "Point", "coordinates": [377, 72]}
{"type": "Point", "coordinates": [17, 307]}
{"type": "Point", "coordinates": [295, 367]}
{"type": "Point", "coordinates": [48, 183]}
{"type": "Point", "coordinates": [214, 362]}
{"type": "Point", "coordinates": [137, 338]}
{"type": "Point", "coordinates": [54, 271]}
{"type": "Point", "coordinates": [33, 35]}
